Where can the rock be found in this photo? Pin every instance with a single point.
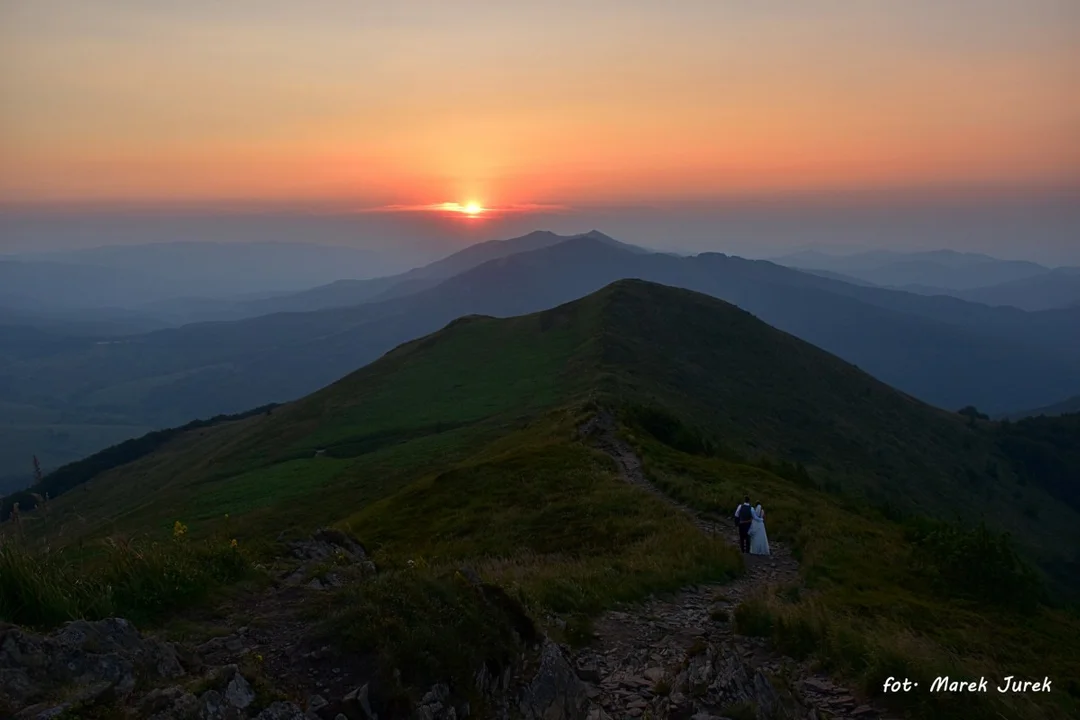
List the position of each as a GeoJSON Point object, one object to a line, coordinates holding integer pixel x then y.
{"type": "Point", "coordinates": [281, 711]}
{"type": "Point", "coordinates": [211, 706]}
{"type": "Point", "coordinates": [316, 703]}
{"type": "Point", "coordinates": [357, 702]}
{"type": "Point", "coordinates": [96, 657]}
{"type": "Point", "coordinates": [555, 691]}
{"type": "Point", "coordinates": [239, 693]}
{"type": "Point", "coordinates": [765, 696]}
{"type": "Point", "coordinates": [159, 699]}
{"type": "Point", "coordinates": [818, 684]}
{"type": "Point", "coordinates": [327, 547]}
{"type": "Point", "coordinates": [434, 705]}
{"type": "Point", "coordinates": [44, 711]}
{"type": "Point", "coordinates": [180, 705]}
{"type": "Point", "coordinates": [654, 674]}
{"type": "Point", "coordinates": [588, 672]}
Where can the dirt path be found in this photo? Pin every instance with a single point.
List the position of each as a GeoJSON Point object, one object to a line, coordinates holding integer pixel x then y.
{"type": "Point", "coordinates": [678, 657]}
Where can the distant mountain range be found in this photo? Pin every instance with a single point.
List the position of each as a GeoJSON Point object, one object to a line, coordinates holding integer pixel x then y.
{"type": "Point", "coordinates": [945, 351]}
{"type": "Point", "coordinates": [1072, 405]}
{"type": "Point", "coordinates": [968, 276]}
{"type": "Point", "coordinates": [120, 290]}
{"type": "Point", "coordinates": [344, 293]}
{"type": "Point", "coordinates": [130, 276]}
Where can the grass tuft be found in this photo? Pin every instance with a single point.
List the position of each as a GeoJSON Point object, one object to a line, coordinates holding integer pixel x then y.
{"type": "Point", "coordinates": [140, 581]}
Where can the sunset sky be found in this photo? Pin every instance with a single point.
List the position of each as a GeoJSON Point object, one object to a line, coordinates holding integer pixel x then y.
{"type": "Point", "coordinates": [519, 104]}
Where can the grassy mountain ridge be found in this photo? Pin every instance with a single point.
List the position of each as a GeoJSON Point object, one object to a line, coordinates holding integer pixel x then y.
{"type": "Point", "coordinates": [462, 446]}
{"type": "Point", "coordinates": [942, 350]}
{"type": "Point", "coordinates": [755, 390]}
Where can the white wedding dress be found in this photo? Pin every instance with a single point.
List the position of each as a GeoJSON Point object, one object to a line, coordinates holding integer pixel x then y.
{"type": "Point", "coordinates": [759, 539]}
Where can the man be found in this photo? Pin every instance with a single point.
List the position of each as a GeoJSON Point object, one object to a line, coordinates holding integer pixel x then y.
{"type": "Point", "coordinates": [744, 515]}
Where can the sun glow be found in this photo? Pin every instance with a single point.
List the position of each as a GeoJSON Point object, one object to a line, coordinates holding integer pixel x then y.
{"type": "Point", "coordinates": [472, 208]}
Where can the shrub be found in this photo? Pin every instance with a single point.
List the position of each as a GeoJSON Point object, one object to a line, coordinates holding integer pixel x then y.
{"type": "Point", "coordinates": [670, 430]}
{"type": "Point", "coordinates": [754, 617]}
{"type": "Point", "coordinates": [432, 625]}
{"type": "Point", "coordinates": [974, 563]}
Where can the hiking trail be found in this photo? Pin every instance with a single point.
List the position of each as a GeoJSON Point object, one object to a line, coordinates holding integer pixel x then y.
{"type": "Point", "coordinates": [679, 657]}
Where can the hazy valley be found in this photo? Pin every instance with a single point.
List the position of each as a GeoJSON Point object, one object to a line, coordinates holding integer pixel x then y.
{"type": "Point", "coordinates": [70, 386]}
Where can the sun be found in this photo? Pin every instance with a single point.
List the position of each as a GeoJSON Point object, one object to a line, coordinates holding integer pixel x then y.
{"type": "Point", "coordinates": [471, 208]}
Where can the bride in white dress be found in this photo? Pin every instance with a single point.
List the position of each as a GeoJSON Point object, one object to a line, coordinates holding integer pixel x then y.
{"type": "Point", "coordinates": [759, 540]}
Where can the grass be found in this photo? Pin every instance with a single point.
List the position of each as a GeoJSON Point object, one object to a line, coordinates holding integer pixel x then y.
{"type": "Point", "coordinates": [429, 624]}
{"type": "Point", "coordinates": [870, 610]}
{"type": "Point", "coordinates": [457, 452]}
{"type": "Point", "coordinates": [141, 581]}
{"type": "Point", "coordinates": [749, 390]}
{"type": "Point", "coordinates": [549, 523]}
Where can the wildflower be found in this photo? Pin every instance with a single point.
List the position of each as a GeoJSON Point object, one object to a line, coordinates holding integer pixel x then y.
{"type": "Point", "coordinates": [179, 530]}
{"type": "Point", "coordinates": [258, 658]}
{"type": "Point", "coordinates": [234, 545]}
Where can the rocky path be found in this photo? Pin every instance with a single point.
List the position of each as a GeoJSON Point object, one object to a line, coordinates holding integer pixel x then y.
{"type": "Point", "coordinates": [678, 657]}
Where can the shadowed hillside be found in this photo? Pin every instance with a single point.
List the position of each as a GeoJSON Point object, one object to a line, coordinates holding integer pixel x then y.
{"type": "Point", "coordinates": [753, 390]}
{"type": "Point", "coordinates": [468, 446]}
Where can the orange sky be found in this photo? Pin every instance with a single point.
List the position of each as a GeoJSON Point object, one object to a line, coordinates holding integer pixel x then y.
{"type": "Point", "coordinates": [531, 102]}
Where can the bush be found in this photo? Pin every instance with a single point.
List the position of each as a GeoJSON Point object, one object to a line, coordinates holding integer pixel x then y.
{"type": "Point", "coordinates": [754, 617]}
{"type": "Point", "coordinates": [974, 563]}
{"type": "Point", "coordinates": [432, 625]}
{"type": "Point", "coordinates": [669, 430]}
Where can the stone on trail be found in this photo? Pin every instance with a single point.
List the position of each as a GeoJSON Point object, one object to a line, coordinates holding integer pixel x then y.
{"type": "Point", "coordinates": [281, 711]}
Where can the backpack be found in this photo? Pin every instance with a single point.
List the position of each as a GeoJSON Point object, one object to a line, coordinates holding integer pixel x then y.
{"type": "Point", "coordinates": [745, 515]}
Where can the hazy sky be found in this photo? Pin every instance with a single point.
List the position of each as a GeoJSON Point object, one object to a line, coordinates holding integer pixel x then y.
{"type": "Point", "coordinates": [615, 103]}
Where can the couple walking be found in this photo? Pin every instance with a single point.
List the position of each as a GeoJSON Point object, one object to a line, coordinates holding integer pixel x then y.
{"type": "Point", "coordinates": [752, 536]}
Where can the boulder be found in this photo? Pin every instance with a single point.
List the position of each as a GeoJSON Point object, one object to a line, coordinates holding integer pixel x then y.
{"type": "Point", "coordinates": [281, 711]}
{"type": "Point", "coordinates": [105, 655]}
{"type": "Point", "coordinates": [555, 692]}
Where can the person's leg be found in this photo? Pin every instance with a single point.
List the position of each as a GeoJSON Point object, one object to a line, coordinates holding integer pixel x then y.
{"type": "Point", "coordinates": [744, 537]}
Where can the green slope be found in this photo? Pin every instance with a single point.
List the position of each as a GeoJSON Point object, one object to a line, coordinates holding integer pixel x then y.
{"type": "Point", "coordinates": [756, 392]}
{"type": "Point", "coordinates": [462, 446]}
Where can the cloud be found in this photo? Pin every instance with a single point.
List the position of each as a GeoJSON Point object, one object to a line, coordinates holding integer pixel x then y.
{"type": "Point", "coordinates": [454, 207]}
